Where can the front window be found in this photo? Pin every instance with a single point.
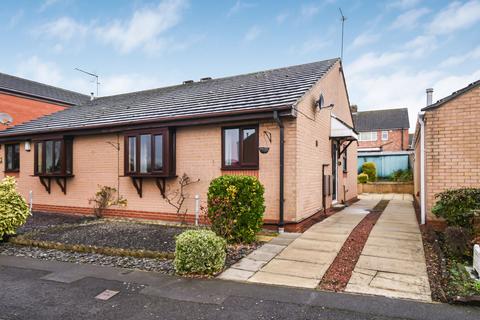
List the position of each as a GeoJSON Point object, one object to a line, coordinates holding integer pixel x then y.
{"type": "Point", "coordinates": [384, 135]}
{"type": "Point", "coordinates": [150, 153]}
{"type": "Point", "coordinates": [53, 157]}
{"type": "Point", "coordinates": [240, 147]}
{"type": "Point", "coordinates": [368, 136]}
{"type": "Point", "coordinates": [12, 157]}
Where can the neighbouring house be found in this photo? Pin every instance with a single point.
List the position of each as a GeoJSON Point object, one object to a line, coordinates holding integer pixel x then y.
{"type": "Point", "coordinates": [446, 147]}
{"type": "Point", "coordinates": [290, 127]}
{"type": "Point", "coordinates": [22, 100]}
{"type": "Point", "coordinates": [383, 139]}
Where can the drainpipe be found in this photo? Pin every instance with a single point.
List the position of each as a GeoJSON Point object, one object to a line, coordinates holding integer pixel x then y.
{"type": "Point", "coordinates": [421, 121]}
{"type": "Point", "coordinates": [281, 222]}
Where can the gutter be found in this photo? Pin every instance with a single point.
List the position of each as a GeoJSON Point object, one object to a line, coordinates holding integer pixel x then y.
{"type": "Point", "coordinates": [421, 118]}
{"type": "Point", "coordinates": [281, 221]}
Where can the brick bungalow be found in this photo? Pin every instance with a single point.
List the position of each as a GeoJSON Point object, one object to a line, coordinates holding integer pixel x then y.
{"type": "Point", "coordinates": [446, 146]}
{"type": "Point", "coordinates": [140, 142]}
{"type": "Point", "coordinates": [383, 139]}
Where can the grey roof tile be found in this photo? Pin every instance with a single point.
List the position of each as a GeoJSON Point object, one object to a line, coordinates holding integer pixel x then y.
{"type": "Point", "coordinates": [243, 93]}
{"type": "Point", "coordinates": [381, 119]}
{"type": "Point", "coordinates": [39, 90]}
{"type": "Point", "coordinates": [452, 96]}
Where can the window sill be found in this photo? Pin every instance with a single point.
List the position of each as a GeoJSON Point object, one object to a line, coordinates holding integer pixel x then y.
{"type": "Point", "coordinates": [11, 171]}
{"type": "Point", "coordinates": [239, 168]}
{"type": "Point", "coordinates": [159, 175]}
{"type": "Point", "coordinates": [56, 175]}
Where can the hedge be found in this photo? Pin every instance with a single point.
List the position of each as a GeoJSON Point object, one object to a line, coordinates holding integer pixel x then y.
{"type": "Point", "coordinates": [13, 208]}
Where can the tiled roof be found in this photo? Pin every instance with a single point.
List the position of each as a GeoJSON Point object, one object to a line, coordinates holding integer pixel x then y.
{"type": "Point", "coordinates": [244, 93]}
{"type": "Point", "coordinates": [39, 90]}
{"type": "Point", "coordinates": [452, 96]}
{"type": "Point", "coordinates": [381, 119]}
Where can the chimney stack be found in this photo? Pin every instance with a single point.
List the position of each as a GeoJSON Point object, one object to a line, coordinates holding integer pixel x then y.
{"type": "Point", "coordinates": [91, 96]}
{"type": "Point", "coordinates": [429, 96]}
{"type": "Point", "coordinates": [354, 108]}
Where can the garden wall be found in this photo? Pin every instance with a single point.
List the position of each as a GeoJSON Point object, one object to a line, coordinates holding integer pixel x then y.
{"type": "Point", "coordinates": [386, 187]}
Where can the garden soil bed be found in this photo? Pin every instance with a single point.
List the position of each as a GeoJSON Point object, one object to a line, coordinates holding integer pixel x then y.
{"type": "Point", "coordinates": [76, 231]}
{"type": "Point", "coordinates": [338, 274]}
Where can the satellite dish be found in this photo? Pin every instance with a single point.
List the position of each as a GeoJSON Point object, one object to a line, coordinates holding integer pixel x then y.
{"type": "Point", "coordinates": [5, 119]}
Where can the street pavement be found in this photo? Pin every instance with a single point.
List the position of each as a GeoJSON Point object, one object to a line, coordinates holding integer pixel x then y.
{"type": "Point", "coordinates": [39, 289]}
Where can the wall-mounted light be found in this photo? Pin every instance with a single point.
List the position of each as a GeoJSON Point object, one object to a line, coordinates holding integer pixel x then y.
{"type": "Point", "coordinates": [28, 146]}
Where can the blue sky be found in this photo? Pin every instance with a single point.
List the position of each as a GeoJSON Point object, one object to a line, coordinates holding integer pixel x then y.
{"type": "Point", "coordinates": [393, 49]}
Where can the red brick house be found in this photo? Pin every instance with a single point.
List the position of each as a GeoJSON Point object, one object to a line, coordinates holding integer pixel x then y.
{"type": "Point", "coordinates": [290, 127]}
{"type": "Point", "coordinates": [23, 100]}
{"type": "Point", "coordinates": [383, 139]}
{"type": "Point", "coordinates": [446, 146]}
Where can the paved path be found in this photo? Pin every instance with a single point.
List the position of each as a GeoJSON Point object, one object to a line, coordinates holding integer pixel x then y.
{"type": "Point", "coordinates": [300, 260]}
{"type": "Point", "coordinates": [39, 289]}
{"type": "Point", "coordinates": [392, 262]}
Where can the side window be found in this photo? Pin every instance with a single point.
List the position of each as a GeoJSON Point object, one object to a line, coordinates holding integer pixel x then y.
{"type": "Point", "coordinates": [344, 161]}
{"type": "Point", "coordinates": [12, 157]}
{"type": "Point", "coordinates": [240, 147]}
{"type": "Point", "coordinates": [384, 135]}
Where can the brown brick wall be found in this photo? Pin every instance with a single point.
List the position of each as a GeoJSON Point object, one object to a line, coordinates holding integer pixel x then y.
{"type": "Point", "coordinates": [394, 142]}
{"type": "Point", "coordinates": [24, 109]}
{"type": "Point", "coordinates": [451, 142]}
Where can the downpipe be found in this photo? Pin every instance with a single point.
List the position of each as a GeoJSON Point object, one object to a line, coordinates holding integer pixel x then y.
{"type": "Point", "coordinates": [281, 221]}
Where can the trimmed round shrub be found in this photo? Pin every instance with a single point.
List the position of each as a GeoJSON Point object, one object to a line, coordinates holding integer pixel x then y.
{"type": "Point", "coordinates": [13, 208]}
{"type": "Point", "coordinates": [199, 252]}
{"type": "Point", "coordinates": [370, 169]}
{"type": "Point", "coordinates": [235, 207]}
{"type": "Point", "coordinates": [362, 178]}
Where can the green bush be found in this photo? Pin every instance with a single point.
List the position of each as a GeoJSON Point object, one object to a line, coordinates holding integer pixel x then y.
{"type": "Point", "coordinates": [362, 178]}
{"type": "Point", "coordinates": [236, 207]}
{"type": "Point", "coordinates": [402, 175]}
{"type": "Point", "coordinates": [199, 252]}
{"type": "Point", "coordinates": [457, 206]}
{"type": "Point", "coordinates": [370, 169]}
{"type": "Point", "coordinates": [13, 208]}
{"type": "Point", "coordinates": [458, 242]}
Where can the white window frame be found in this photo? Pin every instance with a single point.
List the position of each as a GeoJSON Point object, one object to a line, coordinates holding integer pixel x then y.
{"type": "Point", "coordinates": [368, 136]}
{"type": "Point", "coordinates": [384, 135]}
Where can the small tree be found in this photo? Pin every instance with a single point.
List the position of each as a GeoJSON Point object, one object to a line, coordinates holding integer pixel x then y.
{"type": "Point", "coordinates": [177, 197]}
{"type": "Point", "coordinates": [370, 169]}
{"type": "Point", "coordinates": [105, 198]}
{"type": "Point", "coordinates": [362, 178]}
{"type": "Point", "coordinates": [457, 206]}
{"type": "Point", "coordinates": [13, 208]}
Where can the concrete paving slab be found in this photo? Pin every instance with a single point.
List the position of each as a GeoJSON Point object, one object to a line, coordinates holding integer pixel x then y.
{"type": "Point", "coordinates": [386, 293]}
{"type": "Point", "coordinates": [314, 245]}
{"type": "Point", "coordinates": [235, 274]}
{"type": "Point", "coordinates": [283, 280]}
{"type": "Point", "coordinates": [394, 253]}
{"type": "Point", "coordinates": [392, 265]}
{"type": "Point", "coordinates": [249, 264]}
{"type": "Point", "coordinates": [261, 255]}
{"type": "Point", "coordinates": [296, 268]}
{"type": "Point", "coordinates": [271, 248]}
{"type": "Point", "coordinates": [320, 257]}
{"type": "Point", "coordinates": [281, 241]}
{"type": "Point", "coordinates": [325, 237]}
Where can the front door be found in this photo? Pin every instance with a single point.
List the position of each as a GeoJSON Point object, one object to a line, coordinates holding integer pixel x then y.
{"type": "Point", "coordinates": [334, 170]}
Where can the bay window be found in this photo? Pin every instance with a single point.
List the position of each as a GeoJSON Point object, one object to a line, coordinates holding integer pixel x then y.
{"type": "Point", "coordinates": [240, 147]}
{"type": "Point", "coordinates": [53, 157]}
{"type": "Point", "coordinates": [150, 153]}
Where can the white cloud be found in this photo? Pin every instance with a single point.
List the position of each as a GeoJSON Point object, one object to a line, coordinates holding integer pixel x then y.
{"type": "Point", "coordinates": [15, 19]}
{"type": "Point", "coordinates": [122, 83]}
{"type": "Point", "coordinates": [35, 69]}
{"type": "Point", "coordinates": [409, 19]}
{"type": "Point", "coordinates": [308, 11]}
{"type": "Point", "coordinates": [145, 27]}
{"type": "Point", "coordinates": [252, 33]}
{"type": "Point", "coordinates": [280, 18]}
{"type": "Point", "coordinates": [311, 46]}
{"type": "Point", "coordinates": [364, 39]}
{"type": "Point", "coordinates": [459, 59]}
{"type": "Point", "coordinates": [239, 6]}
{"type": "Point", "coordinates": [403, 4]}
{"type": "Point", "coordinates": [455, 17]}
{"type": "Point", "coordinates": [371, 61]}
{"type": "Point", "coordinates": [421, 45]}
{"type": "Point", "coordinates": [64, 28]}
{"type": "Point", "coordinates": [48, 3]}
